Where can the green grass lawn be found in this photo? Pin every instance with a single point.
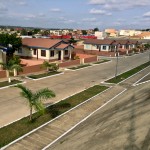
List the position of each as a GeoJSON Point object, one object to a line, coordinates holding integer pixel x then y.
{"type": "Point", "coordinates": [23, 126]}
{"type": "Point", "coordinates": [127, 74]}
{"type": "Point", "coordinates": [80, 66]}
{"type": "Point", "coordinates": [102, 61]}
{"type": "Point", "coordinates": [6, 83]}
{"type": "Point", "coordinates": [46, 74]}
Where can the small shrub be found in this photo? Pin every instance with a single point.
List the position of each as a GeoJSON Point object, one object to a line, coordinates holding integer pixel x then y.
{"type": "Point", "coordinates": [76, 57]}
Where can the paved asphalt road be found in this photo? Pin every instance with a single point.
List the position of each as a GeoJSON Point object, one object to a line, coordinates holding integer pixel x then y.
{"type": "Point", "coordinates": [13, 107]}
{"type": "Point", "coordinates": [123, 124]}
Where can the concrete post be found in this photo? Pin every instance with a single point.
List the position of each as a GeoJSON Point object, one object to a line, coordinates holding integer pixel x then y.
{"type": "Point", "coordinates": [62, 54]}
{"type": "Point", "coordinates": [15, 72]}
{"type": "Point", "coordinates": [81, 61]}
{"type": "Point", "coordinates": [70, 55]}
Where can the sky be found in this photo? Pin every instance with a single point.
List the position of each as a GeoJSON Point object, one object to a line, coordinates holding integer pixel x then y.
{"type": "Point", "coordinates": [76, 14]}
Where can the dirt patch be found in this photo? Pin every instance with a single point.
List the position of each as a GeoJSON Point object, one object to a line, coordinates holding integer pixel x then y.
{"type": "Point", "coordinates": [27, 62]}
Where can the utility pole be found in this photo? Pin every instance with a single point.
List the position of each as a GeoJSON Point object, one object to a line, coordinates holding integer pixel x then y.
{"type": "Point", "coordinates": [117, 53]}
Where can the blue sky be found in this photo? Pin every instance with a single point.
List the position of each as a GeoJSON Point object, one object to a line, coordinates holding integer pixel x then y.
{"type": "Point", "coordinates": [77, 14]}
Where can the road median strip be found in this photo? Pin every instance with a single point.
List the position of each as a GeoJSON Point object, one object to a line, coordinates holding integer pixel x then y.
{"type": "Point", "coordinates": [43, 75]}
{"type": "Point", "coordinates": [128, 74]}
{"type": "Point", "coordinates": [17, 129]}
{"type": "Point", "coordinates": [6, 84]}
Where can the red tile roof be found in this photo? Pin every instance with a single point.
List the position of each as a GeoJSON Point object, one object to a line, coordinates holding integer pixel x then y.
{"type": "Point", "coordinates": [39, 42]}
{"type": "Point", "coordinates": [100, 42]}
{"type": "Point", "coordinates": [62, 46]}
{"type": "Point", "coordinates": [110, 41]}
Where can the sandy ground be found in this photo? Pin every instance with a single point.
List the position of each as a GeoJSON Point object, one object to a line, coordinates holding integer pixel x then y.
{"type": "Point", "coordinates": [123, 124]}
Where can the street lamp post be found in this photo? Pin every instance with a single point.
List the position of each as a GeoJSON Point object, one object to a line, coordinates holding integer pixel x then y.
{"type": "Point", "coordinates": [117, 53]}
{"type": "Point", "coordinates": [149, 53]}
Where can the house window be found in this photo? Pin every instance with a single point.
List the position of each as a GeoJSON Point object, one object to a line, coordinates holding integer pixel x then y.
{"type": "Point", "coordinates": [104, 47]}
{"type": "Point", "coordinates": [87, 46]}
{"type": "Point", "coordinates": [34, 51]}
{"type": "Point", "coordinates": [43, 53]}
{"type": "Point", "coordinates": [20, 50]}
{"type": "Point", "coordinates": [52, 53]}
{"type": "Point", "coordinates": [66, 52]}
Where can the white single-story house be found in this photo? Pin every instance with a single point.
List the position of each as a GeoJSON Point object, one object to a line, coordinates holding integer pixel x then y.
{"type": "Point", "coordinates": [109, 44]}
{"type": "Point", "coordinates": [47, 49]}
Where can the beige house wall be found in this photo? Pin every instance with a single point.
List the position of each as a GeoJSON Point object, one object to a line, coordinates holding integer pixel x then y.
{"type": "Point", "coordinates": [2, 57]}
{"type": "Point", "coordinates": [94, 47]}
{"type": "Point", "coordinates": [24, 52]}
{"type": "Point", "coordinates": [29, 52]}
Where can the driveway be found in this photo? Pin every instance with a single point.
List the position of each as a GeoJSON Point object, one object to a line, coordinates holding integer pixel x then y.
{"type": "Point", "coordinates": [13, 107]}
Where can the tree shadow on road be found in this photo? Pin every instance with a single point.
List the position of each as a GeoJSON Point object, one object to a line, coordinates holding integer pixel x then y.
{"type": "Point", "coordinates": [132, 138]}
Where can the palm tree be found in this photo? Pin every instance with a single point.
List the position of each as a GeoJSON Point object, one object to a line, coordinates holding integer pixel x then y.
{"type": "Point", "coordinates": [15, 64]}
{"type": "Point", "coordinates": [35, 99]}
{"type": "Point", "coordinates": [46, 65]}
{"type": "Point", "coordinates": [9, 66]}
{"type": "Point", "coordinates": [50, 66]}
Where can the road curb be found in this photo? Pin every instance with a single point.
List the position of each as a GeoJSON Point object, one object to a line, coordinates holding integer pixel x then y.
{"type": "Point", "coordinates": [83, 120]}
{"type": "Point", "coordinates": [51, 120]}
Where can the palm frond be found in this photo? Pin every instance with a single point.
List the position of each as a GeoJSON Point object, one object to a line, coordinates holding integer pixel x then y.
{"type": "Point", "coordinates": [17, 67]}
{"type": "Point", "coordinates": [38, 106]}
{"type": "Point", "coordinates": [43, 94]}
{"type": "Point", "coordinates": [26, 93]}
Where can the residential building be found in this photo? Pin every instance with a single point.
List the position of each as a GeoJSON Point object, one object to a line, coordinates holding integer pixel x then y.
{"type": "Point", "coordinates": [47, 49]}
{"type": "Point", "coordinates": [109, 45]}
{"type": "Point", "coordinates": [129, 32]}
{"type": "Point", "coordinates": [110, 32]}
{"type": "Point", "coordinates": [143, 35]}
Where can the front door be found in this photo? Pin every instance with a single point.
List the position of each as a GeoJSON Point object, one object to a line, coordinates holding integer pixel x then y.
{"type": "Point", "coordinates": [59, 55]}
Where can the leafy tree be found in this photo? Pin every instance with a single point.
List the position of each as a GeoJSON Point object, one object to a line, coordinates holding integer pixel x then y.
{"type": "Point", "coordinates": [72, 41]}
{"type": "Point", "coordinates": [84, 32]}
{"type": "Point", "coordinates": [24, 32]}
{"type": "Point", "coordinates": [35, 99]}
{"type": "Point", "coordinates": [45, 33]}
{"type": "Point", "coordinates": [96, 29]}
{"type": "Point", "coordinates": [13, 40]}
{"type": "Point", "coordinates": [35, 31]}
{"type": "Point", "coordinates": [147, 46]}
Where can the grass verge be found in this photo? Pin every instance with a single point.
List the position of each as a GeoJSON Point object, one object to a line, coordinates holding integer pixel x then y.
{"type": "Point", "coordinates": [19, 128]}
{"type": "Point", "coordinates": [127, 74]}
{"type": "Point", "coordinates": [37, 76]}
{"type": "Point", "coordinates": [102, 61]}
{"type": "Point", "coordinates": [6, 83]}
{"type": "Point", "coordinates": [80, 66]}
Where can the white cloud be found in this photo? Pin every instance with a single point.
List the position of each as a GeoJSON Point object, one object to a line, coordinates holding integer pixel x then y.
{"type": "Point", "coordinates": [55, 10]}
{"type": "Point", "coordinates": [22, 3]}
{"type": "Point", "coordinates": [69, 21]}
{"type": "Point", "coordinates": [99, 12]}
{"type": "Point", "coordinates": [89, 19]}
{"type": "Point", "coordinates": [96, 11]}
{"type": "Point", "coordinates": [119, 4]}
{"type": "Point", "coordinates": [97, 2]}
{"type": "Point", "coordinates": [147, 14]}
